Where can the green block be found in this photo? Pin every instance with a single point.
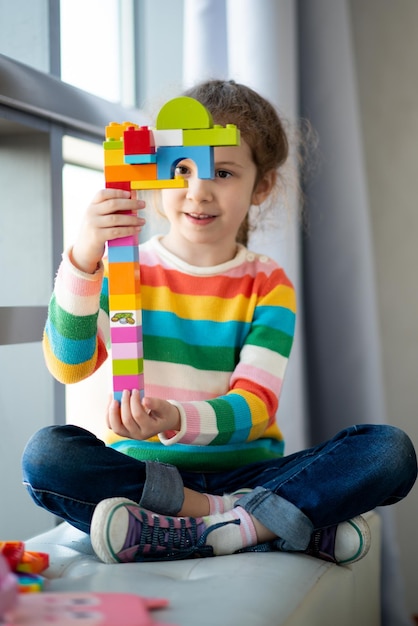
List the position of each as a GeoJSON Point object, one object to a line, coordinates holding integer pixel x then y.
{"type": "Point", "coordinates": [228, 135]}
{"type": "Point", "coordinates": [183, 112]}
{"type": "Point", "coordinates": [113, 144]}
{"type": "Point", "coordinates": [125, 367]}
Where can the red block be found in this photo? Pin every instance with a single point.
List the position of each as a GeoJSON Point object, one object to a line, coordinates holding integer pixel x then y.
{"type": "Point", "coordinates": [138, 141]}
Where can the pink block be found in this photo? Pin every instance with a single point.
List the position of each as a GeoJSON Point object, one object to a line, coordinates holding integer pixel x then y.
{"type": "Point", "coordinates": [120, 383]}
{"type": "Point", "coordinates": [131, 240]}
{"type": "Point", "coordinates": [127, 350]}
{"type": "Point", "coordinates": [125, 334]}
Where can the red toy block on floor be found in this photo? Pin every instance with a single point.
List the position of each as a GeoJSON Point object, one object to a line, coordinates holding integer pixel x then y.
{"type": "Point", "coordinates": [12, 552]}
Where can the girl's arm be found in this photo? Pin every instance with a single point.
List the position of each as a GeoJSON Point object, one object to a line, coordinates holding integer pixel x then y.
{"type": "Point", "coordinates": [74, 340]}
{"type": "Point", "coordinates": [74, 345]}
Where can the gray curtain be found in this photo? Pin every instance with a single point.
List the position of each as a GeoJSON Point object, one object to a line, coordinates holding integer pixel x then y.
{"type": "Point", "coordinates": [345, 383]}
{"type": "Point", "coordinates": [299, 55]}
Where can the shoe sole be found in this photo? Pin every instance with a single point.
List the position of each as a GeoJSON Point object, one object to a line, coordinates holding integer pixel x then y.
{"type": "Point", "coordinates": [99, 529]}
{"type": "Point", "coordinates": [361, 527]}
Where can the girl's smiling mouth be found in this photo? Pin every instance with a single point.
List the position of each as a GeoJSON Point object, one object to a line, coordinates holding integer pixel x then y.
{"type": "Point", "coordinates": [201, 218]}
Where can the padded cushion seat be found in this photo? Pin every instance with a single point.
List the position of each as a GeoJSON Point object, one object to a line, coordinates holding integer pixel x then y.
{"type": "Point", "coordinates": [249, 589]}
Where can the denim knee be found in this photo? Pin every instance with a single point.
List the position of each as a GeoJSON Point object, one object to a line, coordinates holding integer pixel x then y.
{"type": "Point", "coordinates": [396, 459]}
{"type": "Point", "coordinates": [48, 450]}
{"type": "Point", "coordinates": [403, 455]}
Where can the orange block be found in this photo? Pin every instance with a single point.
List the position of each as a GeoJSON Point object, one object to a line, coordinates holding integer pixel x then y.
{"type": "Point", "coordinates": [124, 278]}
{"type": "Point", "coordinates": [33, 562]}
{"type": "Point", "coordinates": [139, 171]}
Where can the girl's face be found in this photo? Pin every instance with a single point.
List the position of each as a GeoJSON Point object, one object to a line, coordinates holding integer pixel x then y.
{"type": "Point", "coordinates": [205, 216]}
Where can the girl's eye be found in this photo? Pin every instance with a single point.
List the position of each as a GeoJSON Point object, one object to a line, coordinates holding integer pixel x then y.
{"type": "Point", "coordinates": [223, 174]}
{"type": "Point", "coordinates": [182, 170]}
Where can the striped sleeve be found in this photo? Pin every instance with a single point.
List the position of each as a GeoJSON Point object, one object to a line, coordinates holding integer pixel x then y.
{"type": "Point", "coordinates": [247, 411]}
{"type": "Point", "coordinates": [73, 344]}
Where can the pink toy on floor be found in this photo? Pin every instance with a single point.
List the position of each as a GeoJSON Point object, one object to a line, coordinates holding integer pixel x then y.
{"type": "Point", "coordinates": [8, 587]}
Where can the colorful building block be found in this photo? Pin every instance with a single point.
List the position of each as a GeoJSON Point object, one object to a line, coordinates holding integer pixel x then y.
{"type": "Point", "coordinates": [140, 158]}
{"type": "Point", "coordinates": [168, 137]}
{"type": "Point", "coordinates": [114, 130]}
{"type": "Point", "coordinates": [114, 157]}
{"type": "Point", "coordinates": [216, 136]}
{"type": "Point", "coordinates": [143, 171]}
{"type": "Point", "coordinates": [138, 140]}
{"type": "Point", "coordinates": [170, 156]}
{"type": "Point", "coordinates": [175, 183]}
{"type": "Point", "coordinates": [33, 562]}
{"type": "Point", "coordinates": [135, 158]}
{"type": "Point", "coordinates": [30, 583]}
{"type": "Point", "coordinates": [185, 113]}
{"type": "Point", "coordinates": [13, 552]}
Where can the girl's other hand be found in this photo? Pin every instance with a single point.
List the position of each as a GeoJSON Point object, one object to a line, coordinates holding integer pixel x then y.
{"type": "Point", "coordinates": [112, 214]}
{"type": "Point", "coordinates": [141, 420]}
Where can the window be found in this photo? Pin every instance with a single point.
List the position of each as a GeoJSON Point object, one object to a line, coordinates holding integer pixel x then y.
{"type": "Point", "coordinates": [91, 46]}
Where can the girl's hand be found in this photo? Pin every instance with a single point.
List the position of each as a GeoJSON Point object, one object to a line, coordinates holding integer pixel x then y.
{"type": "Point", "coordinates": [141, 420]}
{"type": "Point", "coordinates": [112, 214]}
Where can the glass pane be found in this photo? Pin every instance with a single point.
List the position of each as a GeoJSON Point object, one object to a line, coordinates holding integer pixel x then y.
{"type": "Point", "coordinates": [82, 178]}
{"type": "Point", "coordinates": [90, 46]}
{"type": "Point", "coordinates": [80, 183]}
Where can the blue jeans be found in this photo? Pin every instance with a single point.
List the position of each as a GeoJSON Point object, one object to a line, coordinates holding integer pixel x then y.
{"type": "Point", "coordinates": [67, 471]}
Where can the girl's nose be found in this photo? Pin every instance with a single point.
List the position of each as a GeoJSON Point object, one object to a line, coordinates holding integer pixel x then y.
{"type": "Point", "coordinates": [199, 189]}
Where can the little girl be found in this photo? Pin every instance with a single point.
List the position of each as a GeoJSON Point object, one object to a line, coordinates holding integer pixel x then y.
{"type": "Point", "coordinates": [197, 466]}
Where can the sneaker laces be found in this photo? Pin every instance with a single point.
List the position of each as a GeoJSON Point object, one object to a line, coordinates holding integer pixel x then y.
{"type": "Point", "coordinates": [176, 542]}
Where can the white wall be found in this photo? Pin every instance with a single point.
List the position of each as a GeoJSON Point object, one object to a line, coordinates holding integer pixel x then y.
{"type": "Point", "coordinates": [386, 45]}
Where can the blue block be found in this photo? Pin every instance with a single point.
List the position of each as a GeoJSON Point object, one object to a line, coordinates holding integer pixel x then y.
{"type": "Point", "coordinates": [133, 159]}
{"type": "Point", "coordinates": [123, 254]}
{"type": "Point", "coordinates": [169, 156]}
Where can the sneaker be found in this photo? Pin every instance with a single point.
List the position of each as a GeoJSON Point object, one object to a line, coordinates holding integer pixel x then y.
{"type": "Point", "coordinates": [343, 544]}
{"type": "Point", "coordinates": [122, 532]}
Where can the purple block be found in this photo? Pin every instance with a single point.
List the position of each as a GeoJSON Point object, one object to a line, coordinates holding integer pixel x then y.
{"type": "Point", "coordinates": [127, 350]}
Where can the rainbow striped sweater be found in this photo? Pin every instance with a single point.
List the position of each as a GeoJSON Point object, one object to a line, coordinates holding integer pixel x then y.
{"type": "Point", "coordinates": [216, 344]}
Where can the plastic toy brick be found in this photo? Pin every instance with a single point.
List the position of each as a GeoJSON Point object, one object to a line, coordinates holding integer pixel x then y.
{"type": "Point", "coordinates": [114, 157]}
{"type": "Point", "coordinates": [169, 156]}
{"type": "Point", "coordinates": [126, 302]}
{"type": "Point", "coordinates": [125, 278]}
{"type": "Point", "coordinates": [216, 136]}
{"type": "Point", "coordinates": [13, 552]}
{"type": "Point", "coordinates": [127, 366]}
{"type": "Point", "coordinates": [33, 562]}
{"type": "Point", "coordinates": [168, 137]}
{"type": "Point", "coordinates": [128, 351]}
{"type": "Point", "coordinates": [116, 173]}
{"type": "Point", "coordinates": [183, 112]}
{"type": "Point", "coordinates": [138, 140]}
{"type": "Point", "coordinates": [113, 144]}
{"type": "Point", "coordinates": [119, 185]}
{"type": "Point", "coordinates": [126, 334]}
{"type": "Point", "coordinates": [114, 130]}
{"type": "Point", "coordinates": [136, 381]}
{"type": "Point", "coordinates": [171, 183]}
{"type": "Point", "coordinates": [130, 240]}
{"type": "Point", "coordinates": [30, 583]}
{"type": "Point", "coordinates": [144, 158]}
{"type": "Point", "coordinates": [140, 158]}
{"type": "Point", "coordinates": [123, 254]}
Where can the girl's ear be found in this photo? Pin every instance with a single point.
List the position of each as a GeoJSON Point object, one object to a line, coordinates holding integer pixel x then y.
{"type": "Point", "coordinates": [264, 187]}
